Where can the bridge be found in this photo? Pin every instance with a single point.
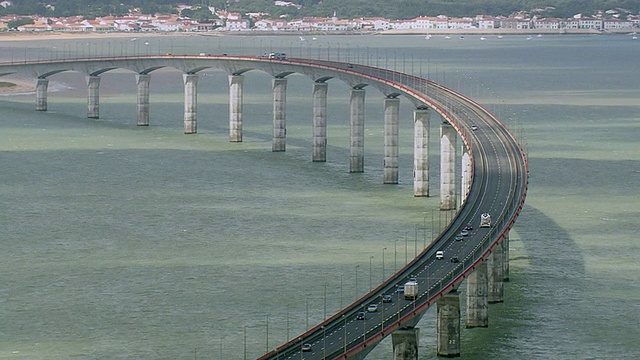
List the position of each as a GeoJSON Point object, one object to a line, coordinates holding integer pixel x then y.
{"type": "Point", "coordinates": [494, 181]}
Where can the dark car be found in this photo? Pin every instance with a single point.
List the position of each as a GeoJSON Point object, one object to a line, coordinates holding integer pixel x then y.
{"type": "Point", "coordinates": [469, 227]}
{"type": "Point", "coordinates": [387, 299]}
{"type": "Point", "coordinates": [454, 259]}
{"type": "Point", "coordinates": [459, 237]}
{"type": "Point", "coordinates": [360, 315]}
{"type": "Point", "coordinates": [306, 347]}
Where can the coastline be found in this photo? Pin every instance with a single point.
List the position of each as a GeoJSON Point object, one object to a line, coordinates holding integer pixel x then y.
{"type": "Point", "coordinates": [21, 36]}
{"type": "Point", "coordinates": [15, 86]}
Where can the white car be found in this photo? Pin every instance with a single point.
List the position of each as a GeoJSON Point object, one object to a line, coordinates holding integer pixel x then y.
{"type": "Point", "coordinates": [474, 127]}
{"type": "Point", "coordinates": [439, 254]}
{"type": "Point", "coordinates": [372, 308]}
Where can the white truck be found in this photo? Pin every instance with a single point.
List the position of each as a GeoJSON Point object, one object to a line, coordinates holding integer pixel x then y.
{"type": "Point", "coordinates": [485, 220]}
{"type": "Point", "coordinates": [410, 290]}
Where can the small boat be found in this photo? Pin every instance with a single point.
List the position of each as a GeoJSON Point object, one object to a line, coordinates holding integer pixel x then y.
{"type": "Point", "coordinates": [483, 38]}
{"type": "Point", "coordinates": [500, 36]}
{"type": "Point", "coordinates": [461, 37]}
{"type": "Point", "coordinates": [447, 37]}
{"type": "Point", "coordinates": [529, 38]}
{"type": "Point", "coordinates": [428, 37]}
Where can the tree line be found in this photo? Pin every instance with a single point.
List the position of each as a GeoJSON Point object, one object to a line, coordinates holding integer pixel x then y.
{"type": "Point", "coordinates": [390, 9]}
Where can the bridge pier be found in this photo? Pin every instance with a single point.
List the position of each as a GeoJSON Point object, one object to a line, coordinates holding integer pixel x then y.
{"type": "Point", "coordinates": [448, 138]}
{"type": "Point", "coordinates": [356, 164]}
{"type": "Point", "coordinates": [41, 94]}
{"type": "Point", "coordinates": [320, 122]}
{"type": "Point", "coordinates": [190, 103]}
{"type": "Point", "coordinates": [448, 325]}
{"type": "Point", "coordinates": [505, 252]}
{"type": "Point", "coordinates": [279, 115]}
{"type": "Point", "coordinates": [405, 344]}
{"type": "Point", "coordinates": [236, 83]}
{"type": "Point", "coordinates": [465, 183]}
{"type": "Point", "coordinates": [495, 274]}
{"type": "Point", "coordinates": [477, 301]}
{"type": "Point", "coordinates": [93, 98]}
{"type": "Point", "coordinates": [142, 86]}
{"type": "Point", "coordinates": [421, 120]}
{"type": "Point", "coordinates": [391, 138]}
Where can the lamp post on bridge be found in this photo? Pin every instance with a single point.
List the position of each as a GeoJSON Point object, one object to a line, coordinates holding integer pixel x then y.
{"type": "Point", "coordinates": [357, 266]}
{"type": "Point", "coordinates": [370, 273]}
{"type": "Point", "coordinates": [383, 277]}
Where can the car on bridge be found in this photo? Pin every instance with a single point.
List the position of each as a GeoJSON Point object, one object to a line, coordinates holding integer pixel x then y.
{"type": "Point", "coordinates": [306, 347]}
{"type": "Point", "coordinates": [439, 254]}
{"type": "Point", "coordinates": [387, 298]}
{"type": "Point", "coordinates": [360, 316]}
{"type": "Point", "coordinates": [372, 308]}
{"type": "Point", "coordinates": [278, 56]}
{"type": "Point", "coordinates": [454, 259]}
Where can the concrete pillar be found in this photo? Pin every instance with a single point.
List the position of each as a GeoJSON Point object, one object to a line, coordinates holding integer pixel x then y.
{"type": "Point", "coordinates": [236, 83]}
{"type": "Point", "coordinates": [279, 115]}
{"type": "Point", "coordinates": [356, 164]}
{"type": "Point", "coordinates": [505, 252]}
{"type": "Point", "coordinates": [190, 103]}
{"type": "Point", "coordinates": [142, 85]}
{"type": "Point", "coordinates": [41, 94]}
{"type": "Point", "coordinates": [405, 344]}
{"type": "Point", "coordinates": [495, 275]}
{"type": "Point", "coordinates": [93, 98]}
{"type": "Point", "coordinates": [477, 301]}
{"type": "Point", "coordinates": [448, 138]}
{"type": "Point", "coordinates": [448, 325]}
{"type": "Point", "coordinates": [421, 119]}
{"type": "Point", "coordinates": [391, 139]}
{"type": "Point", "coordinates": [320, 122]}
{"type": "Point", "coordinates": [465, 182]}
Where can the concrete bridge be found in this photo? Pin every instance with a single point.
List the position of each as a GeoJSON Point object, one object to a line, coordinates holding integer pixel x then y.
{"type": "Point", "coordinates": [494, 181]}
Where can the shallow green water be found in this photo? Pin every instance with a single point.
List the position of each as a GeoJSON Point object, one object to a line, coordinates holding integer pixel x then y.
{"type": "Point", "coordinates": [124, 242]}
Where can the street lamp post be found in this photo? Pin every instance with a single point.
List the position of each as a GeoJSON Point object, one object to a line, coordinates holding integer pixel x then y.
{"type": "Point", "coordinates": [383, 277]}
{"type": "Point", "coordinates": [357, 266]}
{"type": "Point", "coordinates": [370, 273]}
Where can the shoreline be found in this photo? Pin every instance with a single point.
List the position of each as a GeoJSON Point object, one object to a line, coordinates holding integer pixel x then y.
{"type": "Point", "coordinates": [21, 36]}
{"type": "Point", "coordinates": [15, 86]}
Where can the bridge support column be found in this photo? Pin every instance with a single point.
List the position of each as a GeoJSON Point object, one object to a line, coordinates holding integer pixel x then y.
{"type": "Point", "coordinates": [93, 98]}
{"type": "Point", "coordinates": [279, 115]}
{"type": "Point", "coordinates": [405, 344]}
{"type": "Point", "coordinates": [448, 138]}
{"type": "Point", "coordinates": [465, 182]}
{"type": "Point", "coordinates": [448, 325]}
{"type": "Point", "coordinates": [41, 94]}
{"type": "Point", "coordinates": [477, 301]}
{"type": "Point", "coordinates": [320, 121]}
{"type": "Point", "coordinates": [236, 83]}
{"type": "Point", "coordinates": [421, 119]}
{"type": "Point", "coordinates": [495, 274]}
{"type": "Point", "coordinates": [391, 139]}
{"type": "Point", "coordinates": [142, 84]}
{"type": "Point", "coordinates": [190, 103]}
{"type": "Point", "coordinates": [356, 164]}
{"type": "Point", "coordinates": [505, 260]}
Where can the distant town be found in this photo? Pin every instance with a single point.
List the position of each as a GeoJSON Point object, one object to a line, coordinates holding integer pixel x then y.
{"type": "Point", "coordinates": [233, 22]}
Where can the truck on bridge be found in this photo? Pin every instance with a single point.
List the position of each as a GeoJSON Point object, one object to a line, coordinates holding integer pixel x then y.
{"type": "Point", "coordinates": [411, 290]}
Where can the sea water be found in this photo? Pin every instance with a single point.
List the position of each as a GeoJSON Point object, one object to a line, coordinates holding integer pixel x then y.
{"type": "Point", "coordinates": [126, 242]}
